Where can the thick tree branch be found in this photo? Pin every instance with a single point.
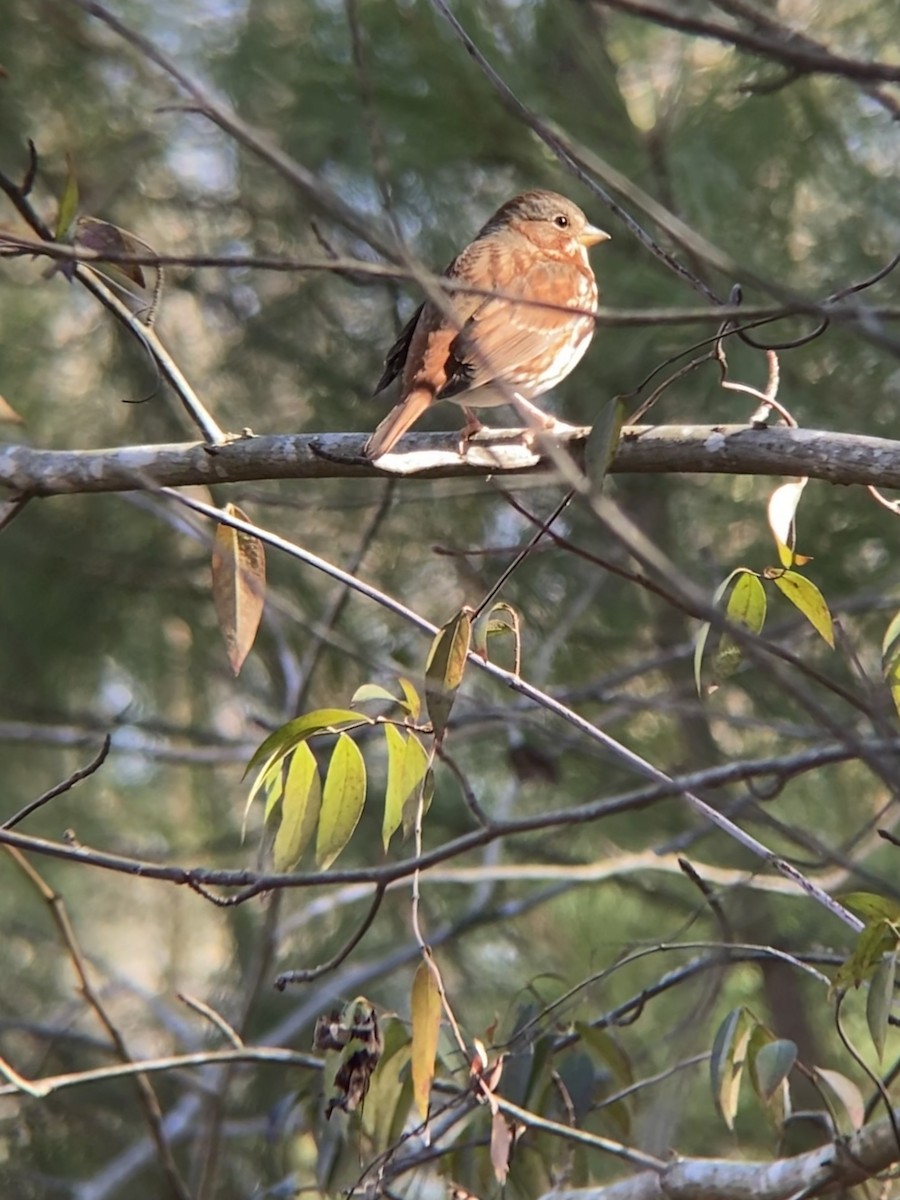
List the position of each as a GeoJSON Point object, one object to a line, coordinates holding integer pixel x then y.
{"type": "Point", "coordinates": [847, 1162]}
{"type": "Point", "coordinates": [693, 449]}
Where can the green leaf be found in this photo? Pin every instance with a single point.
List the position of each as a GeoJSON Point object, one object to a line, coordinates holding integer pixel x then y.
{"type": "Point", "coordinates": [407, 768]}
{"type": "Point", "coordinates": [389, 1098]}
{"type": "Point", "coordinates": [880, 1000]}
{"type": "Point", "coordinates": [703, 632]}
{"type": "Point", "coordinates": [890, 659]}
{"type": "Point", "coordinates": [726, 1064]}
{"type": "Point", "coordinates": [879, 937]}
{"type": "Point", "coordinates": [374, 691]}
{"type": "Point", "coordinates": [301, 802]}
{"type": "Point", "coordinates": [499, 618]}
{"type": "Point", "coordinates": [68, 202]}
{"type": "Point", "coordinates": [420, 761]}
{"type": "Point", "coordinates": [603, 441]}
{"type": "Point", "coordinates": [870, 906]}
{"type": "Point", "coordinates": [771, 1061]}
{"type": "Point", "coordinates": [699, 649]}
{"type": "Point", "coordinates": [270, 780]}
{"type": "Point", "coordinates": [425, 1007]}
{"type": "Point", "coordinates": [543, 1050]}
{"type": "Point", "coordinates": [782, 511]}
{"type": "Point", "coordinates": [444, 669]}
{"type": "Point", "coordinates": [805, 596]}
{"type": "Point", "coordinates": [576, 1071]}
{"type": "Point", "coordinates": [343, 798]}
{"type": "Point", "coordinates": [413, 699]}
{"type": "Point", "coordinates": [608, 1051]}
{"type": "Point", "coordinates": [283, 740]}
{"type": "Point", "coordinates": [747, 602]}
{"type": "Point", "coordinates": [394, 794]}
{"type": "Point", "coordinates": [747, 607]}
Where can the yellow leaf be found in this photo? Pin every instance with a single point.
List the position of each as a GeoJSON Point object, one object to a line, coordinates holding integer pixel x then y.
{"type": "Point", "coordinates": [270, 781]}
{"type": "Point", "coordinates": [301, 801]}
{"type": "Point", "coordinates": [727, 1061]}
{"type": "Point", "coordinates": [426, 1026]}
{"type": "Point", "coordinates": [704, 631]}
{"type": "Point", "coordinates": [407, 767]}
{"type": "Point", "coordinates": [343, 798]}
{"type": "Point", "coordinates": [782, 512]}
{"type": "Point", "coordinates": [68, 202]}
{"type": "Point", "coordinates": [499, 618]}
{"type": "Point", "coordinates": [239, 587]}
{"type": "Point", "coordinates": [805, 596]}
{"type": "Point", "coordinates": [390, 1090]}
{"type": "Point", "coordinates": [413, 701]}
{"type": "Point", "coordinates": [286, 737]}
{"type": "Point", "coordinates": [444, 669]}
{"type": "Point", "coordinates": [747, 607]}
{"type": "Point", "coordinates": [890, 659]}
{"type": "Point", "coordinates": [418, 768]}
{"type": "Point", "coordinates": [368, 692]}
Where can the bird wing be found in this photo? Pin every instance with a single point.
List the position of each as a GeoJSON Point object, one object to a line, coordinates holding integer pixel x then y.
{"type": "Point", "coordinates": [500, 336]}
{"type": "Point", "coordinates": [395, 359]}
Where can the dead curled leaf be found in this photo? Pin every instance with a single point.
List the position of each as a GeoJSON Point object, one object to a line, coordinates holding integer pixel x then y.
{"type": "Point", "coordinates": [351, 1040]}
{"type": "Point", "coordinates": [501, 1144]}
{"type": "Point", "coordinates": [239, 586]}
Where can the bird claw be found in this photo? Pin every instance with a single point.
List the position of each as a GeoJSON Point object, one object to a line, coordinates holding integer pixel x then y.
{"type": "Point", "coordinates": [468, 431]}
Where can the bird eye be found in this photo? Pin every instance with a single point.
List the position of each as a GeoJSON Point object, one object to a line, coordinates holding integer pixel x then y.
{"type": "Point", "coordinates": [561, 221]}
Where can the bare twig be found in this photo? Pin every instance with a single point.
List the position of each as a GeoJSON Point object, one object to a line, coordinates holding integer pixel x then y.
{"type": "Point", "coordinates": [174, 1062]}
{"type": "Point", "coordinates": [214, 1018]}
{"type": "Point", "coordinates": [308, 974]}
{"type": "Point", "coordinates": [58, 789]}
{"type": "Point", "coordinates": [796, 52]}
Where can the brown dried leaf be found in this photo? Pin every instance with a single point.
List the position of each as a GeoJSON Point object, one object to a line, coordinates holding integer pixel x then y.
{"type": "Point", "coordinates": [9, 414]}
{"type": "Point", "coordinates": [105, 238]}
{"type": "Point", "coordinates": [501, 1144]}
{"type": "Point", "coordinates": [239, 587]}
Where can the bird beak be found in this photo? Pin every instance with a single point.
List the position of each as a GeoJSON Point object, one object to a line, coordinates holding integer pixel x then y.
{"type": "Point", "coordinates": [590, 236]}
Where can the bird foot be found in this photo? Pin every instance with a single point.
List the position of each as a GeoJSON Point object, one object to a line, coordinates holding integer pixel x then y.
{"type": "Point", "coordinates": [468, 431]}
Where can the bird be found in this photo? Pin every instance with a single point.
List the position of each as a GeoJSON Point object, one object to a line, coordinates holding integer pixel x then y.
{"type": "Point", "coordinates": [482, 350]}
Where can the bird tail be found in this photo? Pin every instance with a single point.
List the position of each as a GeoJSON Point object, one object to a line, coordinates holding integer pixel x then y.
{"type": "Point", "coordinates": [396, 423]}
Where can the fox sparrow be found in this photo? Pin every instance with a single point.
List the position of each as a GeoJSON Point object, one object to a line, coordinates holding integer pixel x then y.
{"type": "Point", "coordinates": [481, 349]}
